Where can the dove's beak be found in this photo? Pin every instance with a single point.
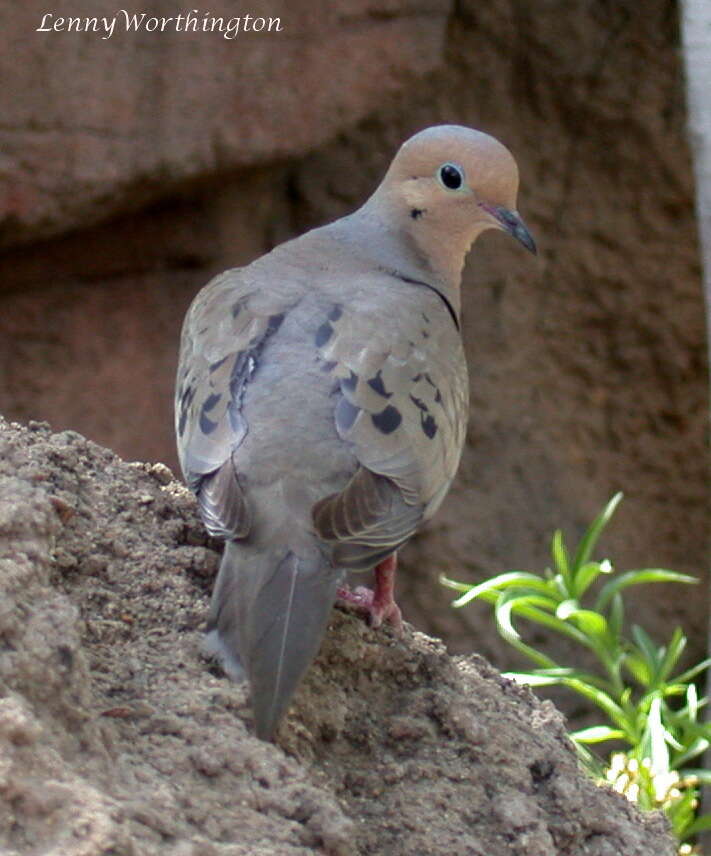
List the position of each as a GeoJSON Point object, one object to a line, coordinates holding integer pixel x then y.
{"type": "Point", "coordinates": [512, 222]}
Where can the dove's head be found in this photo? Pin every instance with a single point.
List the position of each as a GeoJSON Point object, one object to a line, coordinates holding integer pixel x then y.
{"type": "Point", "coordinates": [447, 185]}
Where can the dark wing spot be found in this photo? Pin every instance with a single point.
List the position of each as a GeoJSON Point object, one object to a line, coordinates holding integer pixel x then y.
{"type": "Point", "coordinates": [211, 401]}
{"type": "Point", "coordinates": [323, 334]}
{"type": "Point", "coordinates": [427, 320]}
{"type": "Point", "coordinates": [346, 414]}
{"type": "Point", "coordinates": [215, 366]}
{"type": "Point", "coordinates": [387, 420]}
{"type": "Point", "coordinates": [350, 382]}
{"type": "Point", "coordinates": [238, 306]}
{"type": "Point", "coordinates": [429, 426]}
{"type": "Point", "coordinates": [275, 322]}
{"type": "Point", "coordinates": [186, 400]}
{"type": "Point", "coordinates": [377, 384]}
{"type": "Point", "coordinates": [425, 334]}
{"type": "Point", "coordinates": [418, 402]}
{"type": "Point", "coordinates": [241, 371]}
{"type": "Point", "coordinates": [438, 397]}
{"type": "Point", "coordinates": [416, 212]}
{"type": "Point", "coordinates": [335, 313]}
{"type": "Point", "coordinates": [245, 364]}
{"type": "Point", "coordinates": [186, 396]}
{"type": "Point", "coordinates": [207, 426]}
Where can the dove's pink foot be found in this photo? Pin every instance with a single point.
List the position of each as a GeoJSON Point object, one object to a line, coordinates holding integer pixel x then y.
{"type": "Point", "coordinates": [379, 604]}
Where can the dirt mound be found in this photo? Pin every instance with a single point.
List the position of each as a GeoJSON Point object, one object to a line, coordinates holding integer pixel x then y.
{"type": "Point", "coordinates": [117, 737]}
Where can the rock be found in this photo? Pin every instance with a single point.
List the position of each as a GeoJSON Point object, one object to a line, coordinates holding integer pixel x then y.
{"type": "Point", "coordinates": [96, 125]}
{"type": "Point", "coordinates": [115, 735]}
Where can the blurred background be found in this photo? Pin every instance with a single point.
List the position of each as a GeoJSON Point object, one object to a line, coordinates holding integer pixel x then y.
{"type": "Point", "coordinates": [133, 168]}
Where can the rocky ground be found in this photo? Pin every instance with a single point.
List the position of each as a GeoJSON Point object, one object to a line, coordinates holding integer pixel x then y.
{"type": "Point", "coordinates": [118, 737]}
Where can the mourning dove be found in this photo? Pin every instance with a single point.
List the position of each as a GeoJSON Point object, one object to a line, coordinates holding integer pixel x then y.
{"type": "Point", "coordinates": [322, 402]}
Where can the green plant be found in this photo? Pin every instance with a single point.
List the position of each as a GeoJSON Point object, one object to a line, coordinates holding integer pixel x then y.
{"type": "Point", "coordinates": [647, 707]}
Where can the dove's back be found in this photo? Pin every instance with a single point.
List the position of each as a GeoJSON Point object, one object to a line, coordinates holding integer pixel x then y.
{"type": "Point", "coordinates": [289, 385]}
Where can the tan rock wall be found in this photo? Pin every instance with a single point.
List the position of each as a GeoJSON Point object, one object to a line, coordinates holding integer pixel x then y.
{"type": "Point", "coordinates": [93, 125]}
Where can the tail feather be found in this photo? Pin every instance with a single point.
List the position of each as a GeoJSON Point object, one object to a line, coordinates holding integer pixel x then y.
{"type": "Point", "coordinates": [269, 613]}
{"type": "Point", "coordinates": [214, 647]}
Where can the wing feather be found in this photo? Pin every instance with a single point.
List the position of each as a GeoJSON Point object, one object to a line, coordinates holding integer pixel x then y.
{"type": "Point", "coordinates": [225, 332]}
{"type": "Point", "coordinates": [401, 404]}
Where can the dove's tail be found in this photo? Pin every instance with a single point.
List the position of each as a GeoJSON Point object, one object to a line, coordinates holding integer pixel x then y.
{"type": "Point", "coordinates": [268, 615]}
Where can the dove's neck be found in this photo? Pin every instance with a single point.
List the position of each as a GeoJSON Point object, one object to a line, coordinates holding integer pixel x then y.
{"type": "Point", "coordinates": [382, 237]}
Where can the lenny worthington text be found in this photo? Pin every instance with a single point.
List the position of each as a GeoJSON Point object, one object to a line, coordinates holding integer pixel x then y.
{"type": "Point", "coordinates": [187, 22]}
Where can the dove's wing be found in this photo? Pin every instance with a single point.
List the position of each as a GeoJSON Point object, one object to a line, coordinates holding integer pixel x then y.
{"type": "Point", "coordinates": [401, 404]}
{"type": "Point", "coordinates": [224, 335]}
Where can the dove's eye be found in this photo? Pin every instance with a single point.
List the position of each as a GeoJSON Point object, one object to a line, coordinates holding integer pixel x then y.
{"type": "Point", "coordinates": [451, 176]}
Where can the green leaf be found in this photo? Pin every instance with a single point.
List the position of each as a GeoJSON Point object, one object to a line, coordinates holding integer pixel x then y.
{"type": "Point", "coordinates": [639, 668]}
{"type": "Point", "coordinates": [670, 690]}
{"type": "Point", "coordinates": [603, 701]}
{"type": "Point", "coordinates": [686, 676]}
{"type": "Point", "coordinates": [561, 587]}
{"type": "Point", "coordinates": [597, 734]}
{"type": "Point", "coordinates": [527, 606]}
{"type": "Point", "coordinates": [701, 824]}
{"type": "Point", "coordinates": [453, 584]}
{"type": "Point", "coordinates": [590, 539]}
{"type": "Point", "coordinates": [515, 601]}
{"type": "Point", "coordinates": [588, 621]}
{"type": "Point", "coordinates": [654, 744]}
{"type": "Point", "coordinates": [501, 583]}
{"type": "Point", "coordinates": [531, 679]}
{"type": "Point", "coordinates": [697, 747]}
{"type": "Point", "coordinates": [556, 674]}
{"type": "Point", "coordinates": [565, 608]}
{"type": "Point", "coordinates": [505, 603]}
{"type": "Point", "coordinates": [616, 619]}
{"type": "Point", "coordinates": [687, 717]}
{"type": "Point", "coordinates": [633, 717]}
{"type": "Point", "coordinates": [592, 764]}
{"type": "Point", "coordinates": [680, 812]}
{"type": "Point", "coordinates": [587, 575]}
{"type": "Point", "coordinates": [673, 742]}
{"type": "Point", "coordinates": [633, 578]}
{"type": "Point", "coordinates": [560, 555]}
{"type": "Point", "coordinates": [692, 702]}
{"type": "Point", "coordinates": [647, 649]}
{"type": "Point", "coordinates": [674, 651]}
{"type": "Point", "coordinates": [522, 608]}
{"type": "Point", "coordinates": [704, 776]}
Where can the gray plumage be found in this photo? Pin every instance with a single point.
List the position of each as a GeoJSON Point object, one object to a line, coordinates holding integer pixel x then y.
{"type": "Point", "coordinates": [321, 404]}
